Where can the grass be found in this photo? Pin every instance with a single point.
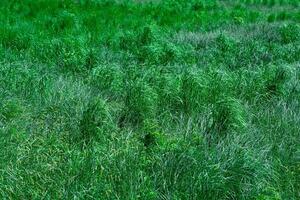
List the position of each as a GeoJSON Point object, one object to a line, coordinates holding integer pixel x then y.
{"type": "Point", "coordinates": [173, 99]}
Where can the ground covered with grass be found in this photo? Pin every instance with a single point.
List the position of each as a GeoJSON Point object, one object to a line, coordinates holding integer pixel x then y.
{"type": "Point", "coordinates": [161, 99]}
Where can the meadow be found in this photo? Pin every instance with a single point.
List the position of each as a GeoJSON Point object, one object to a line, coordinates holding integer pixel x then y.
{"type": "Point", "coordinates": [150, 99]}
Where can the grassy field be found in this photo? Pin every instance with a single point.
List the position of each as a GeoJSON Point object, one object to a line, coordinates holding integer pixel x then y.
{"type": "Point", "coordinates": [153, 99]}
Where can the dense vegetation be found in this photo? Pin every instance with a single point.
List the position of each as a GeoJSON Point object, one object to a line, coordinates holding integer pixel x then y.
{"type": "Point", "coordinates": [165, 99]}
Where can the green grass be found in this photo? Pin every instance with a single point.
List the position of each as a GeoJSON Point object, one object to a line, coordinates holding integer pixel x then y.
{"type": "Point", "coordinates": [130, 99]}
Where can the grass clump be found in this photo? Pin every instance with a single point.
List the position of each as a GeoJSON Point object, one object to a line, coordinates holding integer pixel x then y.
{"type": "Point", "coordinates": [228, 115]}
{"type": "Point", "coordinates": [95, 121]}
{"type": "Point", "coordinates": [109, 78]}
{"type": "Point", "coordinates": [68, 55]}
{"type": "Point", "coordinates": [10, 109]}
{"type": "Point", "coordinates": [13, 38]}
{"type": "Point", "coordinates": [140, 102]}
{"type": "Point", "coordinates": [290, 33]}
{"type": "Point", "coordinates": [152, 46]}
{"type": "Point", "coordinates": [276, 78]}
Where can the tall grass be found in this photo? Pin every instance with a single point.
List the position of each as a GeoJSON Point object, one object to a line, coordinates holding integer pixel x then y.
{"type": "Point", "coordinates": [174, 99]}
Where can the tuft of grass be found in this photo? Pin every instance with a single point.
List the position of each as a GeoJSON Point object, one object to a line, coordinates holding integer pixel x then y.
{"type": "Point", "coordinates": [109, 78]}
{"type": "Point", "coordinates": [11, 109]}
{"type": "Point", "coordinates": [11, 37]}
{"type": "Point", "coordinates": [228, 115]}
{"type": "Point", "coordinates": [152, 46]}
{"type": "Point", "coordinates": [290, 33]}
{"type": "Point", "coordinates": [140, 102]}
{"type": "Point", "coordinates": [95, 120]}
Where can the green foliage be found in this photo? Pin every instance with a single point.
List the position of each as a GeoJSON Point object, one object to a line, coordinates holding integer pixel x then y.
{"type": "Point", "coordinates": [228, 115]}
{"type": "Point", "coordinates": [290, 33]}
{"type": "Point", "coordinates": [140, 102]}
{"type": "Point", "coordinates": [11, 37]}
{"type": "Point", "coordinates": [69, 55]}
{"type": "Point", "coordinates": [158, 99]}
{"type": "Point", "coordinates": [275, 79]}
{"type": "Point", "coordinates": [224, 43]}
{"type": "Point", "coordinates": [108, 78]}
{"type": "Point", "coordinates": [169, 89]}
{"type": "Point", "coordinates": [151, 46]}
{"type": "Point", "coordinates": [95, 122]}
{"type": "Point", "coordinates": [10, 109]}
{"type": "Point", "coordinates": [62, 22]}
